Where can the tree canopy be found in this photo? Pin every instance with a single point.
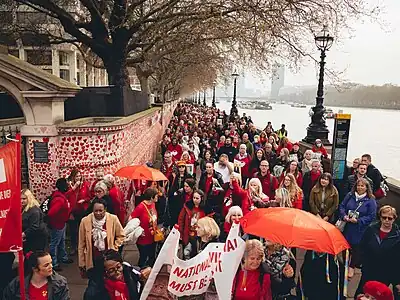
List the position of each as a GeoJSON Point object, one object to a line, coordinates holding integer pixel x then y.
{"type": "Point", "coordinates": [183, 42]}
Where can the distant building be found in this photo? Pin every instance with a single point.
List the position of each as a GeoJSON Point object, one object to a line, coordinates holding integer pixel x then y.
{"type": "Point", "coordinates": [277, 80]}
{"type": "Point", "coordinates": [63, 60]}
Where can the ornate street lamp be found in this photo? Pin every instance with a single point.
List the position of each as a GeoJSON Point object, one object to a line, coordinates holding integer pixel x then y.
{"type": "Point", "coordinates": [234, 110]}
{"type": "Point", "coordinates": [317, 128]}
{"type": "Point", "coordinates": [213, 97]}
{"type": "Point", "coordinates": [204, 98]}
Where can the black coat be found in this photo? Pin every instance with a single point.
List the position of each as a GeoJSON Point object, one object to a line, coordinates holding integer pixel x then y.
{"type": "Point", "coordinates": [380, 259]}
{"type": "Point", "coordinates": [307, 187]}
{"type": "Point", "coordinates": [202, 182]}
{"type": "Point", "coordinates": [375, 175]}
{"type": "Point", "coordinates": [230, 151]}
{"type": "Point", "coordinates": [97, 291]}
{"type": "Point", "coordinates": [35, 230]}
{"type": "Point", "coordinates": [57, 288]}
{"type": "Point", "coordinates": [313, 276]}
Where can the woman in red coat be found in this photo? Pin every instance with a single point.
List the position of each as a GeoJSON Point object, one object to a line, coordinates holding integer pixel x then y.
{"type": "Point", "coordinates": [192, 211]}
{"type": "Point", "coordinates": [251, 282]}
{"type": "Point", "coordinates": [234, 195]}
{"type": "Point", "coordinates": [78, 196]}
{"type": "Point", "coordinates": [319, 148]}
{"type": "Point", "coordinates": [117, 198]}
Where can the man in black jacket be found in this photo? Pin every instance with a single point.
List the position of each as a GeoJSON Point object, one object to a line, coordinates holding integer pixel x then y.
{"type": "Point", "coordinates": [361, 173]}
{"type": "Point", "coordinates": [228, 149]}
{"type": "Point", "coordinates": [372, 172]}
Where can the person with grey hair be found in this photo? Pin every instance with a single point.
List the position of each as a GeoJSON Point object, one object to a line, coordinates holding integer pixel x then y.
{"type": "Point", "coordinates": [117, 198]}
{"type": "Point", "coordinates": [101, 192]}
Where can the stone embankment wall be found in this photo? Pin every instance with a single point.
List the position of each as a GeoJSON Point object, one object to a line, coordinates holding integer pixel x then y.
{"type": "Point", "coordinates": [92, 143]}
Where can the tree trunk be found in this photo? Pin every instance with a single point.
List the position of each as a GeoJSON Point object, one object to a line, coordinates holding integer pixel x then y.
{"type": "Point", "coordinates": [117, 70]}
{"type": "Point", "coordinates": [143, 77]}
{"type": "Point", "coordinates": [121, 93]}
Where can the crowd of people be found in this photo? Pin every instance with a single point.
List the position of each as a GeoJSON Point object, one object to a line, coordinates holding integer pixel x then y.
{"type": "Point", "coordinates": [219, 169]}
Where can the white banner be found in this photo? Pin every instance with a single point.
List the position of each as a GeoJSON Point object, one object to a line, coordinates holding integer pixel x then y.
{"type": "Point", "coordinates": [217, 261]}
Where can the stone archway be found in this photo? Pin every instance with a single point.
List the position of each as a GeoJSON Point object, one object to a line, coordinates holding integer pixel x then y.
{"type": "Point", "coordinates": [41, 97]}
{"type": "Point", "coordinates": [14, 92]}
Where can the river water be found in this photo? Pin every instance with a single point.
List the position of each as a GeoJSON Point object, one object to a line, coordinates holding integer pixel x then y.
{"type": "Point", "coordinates": [373, 131]}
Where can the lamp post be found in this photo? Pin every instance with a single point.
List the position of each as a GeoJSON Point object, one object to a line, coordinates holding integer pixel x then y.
{"type": "Point", "coordinates": [204, 98]}
{"type": "Point", "coordinates": [213, 96]}
{"type": "Point", "coordinates": [317, 128]}
{"type": "Point", "coordinates": [234, 110]}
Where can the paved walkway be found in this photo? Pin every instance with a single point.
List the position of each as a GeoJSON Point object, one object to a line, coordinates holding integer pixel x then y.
{"type": "Point", "coordinates": [77, 285]}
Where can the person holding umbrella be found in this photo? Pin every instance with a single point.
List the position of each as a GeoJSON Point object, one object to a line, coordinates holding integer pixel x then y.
{"type": "Point", "coordinates": [321, 277]}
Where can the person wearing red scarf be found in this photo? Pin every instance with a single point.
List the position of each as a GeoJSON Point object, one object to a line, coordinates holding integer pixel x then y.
{"type": "Point", "coordinates": [113, 279]}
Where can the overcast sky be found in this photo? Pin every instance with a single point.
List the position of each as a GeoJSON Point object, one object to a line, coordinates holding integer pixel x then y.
{"type": "Point", "coordinates": [370, 56]}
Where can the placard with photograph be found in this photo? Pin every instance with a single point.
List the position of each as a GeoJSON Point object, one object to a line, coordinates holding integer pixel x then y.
{"type": "Point", "coordinates": [190, 169]}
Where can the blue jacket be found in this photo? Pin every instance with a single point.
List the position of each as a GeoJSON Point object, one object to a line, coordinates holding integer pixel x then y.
{"type": "Point", "coordinates": [353, 232]}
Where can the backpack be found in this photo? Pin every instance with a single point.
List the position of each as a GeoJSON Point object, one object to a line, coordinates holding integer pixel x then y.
{"type": "Point", "coordinates": [45, 207]}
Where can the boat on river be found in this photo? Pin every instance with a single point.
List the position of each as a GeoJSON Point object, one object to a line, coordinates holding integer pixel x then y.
{"type": "Point", "coordinates": [298, 105]}
{"type": "Point", "coordinates": [256, 105]}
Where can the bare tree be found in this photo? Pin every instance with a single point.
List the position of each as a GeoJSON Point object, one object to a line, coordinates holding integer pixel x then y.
{"type": "Point", "coordinates": [137, 32]}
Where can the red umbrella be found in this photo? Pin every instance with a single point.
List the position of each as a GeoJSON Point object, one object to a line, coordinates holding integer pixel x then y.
{"type": "Point", "coordinates": [294, 228]}
{"type": "Point", "coordinates": [141, 172]}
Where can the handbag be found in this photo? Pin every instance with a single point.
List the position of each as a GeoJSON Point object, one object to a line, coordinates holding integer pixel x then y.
{"type": "Point", "coordinates": [340, 224]}
{"type": "Point", "coordinates": [158, 235]}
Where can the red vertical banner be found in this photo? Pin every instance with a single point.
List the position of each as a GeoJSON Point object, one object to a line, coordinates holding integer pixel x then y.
{"type": "Point", "coordinates": [10, 197]}
{"type": "Point", "coordinates": [10, 203]}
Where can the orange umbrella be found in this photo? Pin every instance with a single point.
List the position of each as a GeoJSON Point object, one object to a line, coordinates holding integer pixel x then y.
{"type": "Point", "coordinates": [141, 172]}
{"type": "Point", "coordinates": [294, 228]}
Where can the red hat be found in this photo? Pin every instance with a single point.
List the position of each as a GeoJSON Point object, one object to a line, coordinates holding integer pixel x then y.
{"type": "Point", "coordinates": [296, 143]}
{"type": "Point", "coordinates": [378, 290]}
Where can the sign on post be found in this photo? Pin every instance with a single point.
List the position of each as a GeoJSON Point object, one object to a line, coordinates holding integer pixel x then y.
{"type": "Point", "coordinates": [341, 134]}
